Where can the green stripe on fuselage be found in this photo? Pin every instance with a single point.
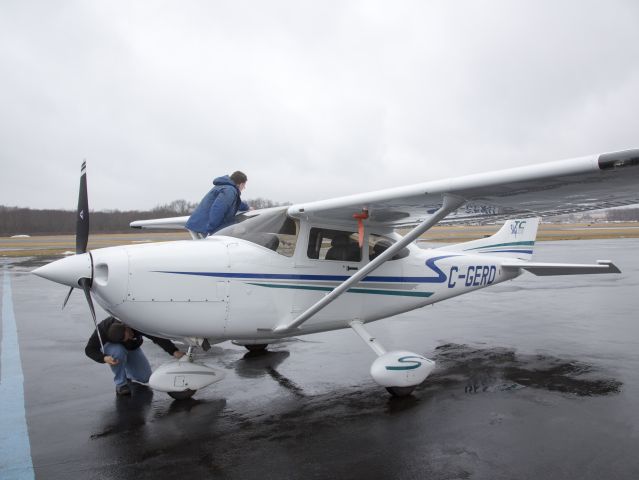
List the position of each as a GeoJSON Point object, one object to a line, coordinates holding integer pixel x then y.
{"type": "Point", "coordinates": [509, 244]}
{"type": "Point", "coordinates": [350, 290]}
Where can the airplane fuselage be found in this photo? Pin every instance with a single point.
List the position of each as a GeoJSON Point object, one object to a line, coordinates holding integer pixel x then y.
{"type": "Point", "coordinates": [227, 288]}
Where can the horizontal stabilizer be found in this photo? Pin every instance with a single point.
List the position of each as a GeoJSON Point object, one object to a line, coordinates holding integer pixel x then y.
{"type": "Point", "coordinates": [547, 269]}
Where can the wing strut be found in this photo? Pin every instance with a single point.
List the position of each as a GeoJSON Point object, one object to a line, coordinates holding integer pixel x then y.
{"type": "Point", "coordinates": [450, 204]}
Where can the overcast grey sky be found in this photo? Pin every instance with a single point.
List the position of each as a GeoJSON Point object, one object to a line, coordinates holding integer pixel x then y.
{"type": "Point", "coordinates": [310, 99]}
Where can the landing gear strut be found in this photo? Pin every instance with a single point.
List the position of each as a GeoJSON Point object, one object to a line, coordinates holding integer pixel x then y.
{"type": "Point", "coordinates": [398, 371]}
{"type": "Point", "coordinates": [188, 393]}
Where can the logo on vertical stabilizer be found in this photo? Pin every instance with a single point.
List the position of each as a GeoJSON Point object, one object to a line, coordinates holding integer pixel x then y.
{"type": "Point", "coordinates": [517, 227]}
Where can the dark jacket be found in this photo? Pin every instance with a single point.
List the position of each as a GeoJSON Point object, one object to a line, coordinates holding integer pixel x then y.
{"type": "Point", "coordinates": [93, 351]}
{"type": "Point", "coordinates": [218, 207]}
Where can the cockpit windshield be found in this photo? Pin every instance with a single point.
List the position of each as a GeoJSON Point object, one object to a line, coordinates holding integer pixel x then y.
{"type": "Point", "coordinates": [272, 229]}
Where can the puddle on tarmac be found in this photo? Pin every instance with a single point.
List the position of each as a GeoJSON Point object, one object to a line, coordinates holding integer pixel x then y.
{"type": "Point", "coordinates": [501, 369]}
{"type": "Point", "coordinates": [460, 368]}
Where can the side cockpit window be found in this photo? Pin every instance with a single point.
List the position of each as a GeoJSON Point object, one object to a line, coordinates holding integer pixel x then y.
{"type": "Point", "coordinates": [287, 238]}
{"type": "Point", "coordinates": [281, 240]}
{"type": "Point", "coordinates": [377, 244]}
{"type": "Point", "coordinates": [339, 245]}
{"type": "Point", "coordinates": [272, 229]}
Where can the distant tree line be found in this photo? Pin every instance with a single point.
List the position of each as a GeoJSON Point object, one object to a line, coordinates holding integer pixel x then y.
{"type": "Point", "coordinates": [623, 215]}
{"type": "Point", "coordinates": [28, 221]}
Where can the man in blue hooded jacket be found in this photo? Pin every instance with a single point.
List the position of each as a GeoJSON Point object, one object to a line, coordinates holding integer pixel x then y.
{"type": "Point", "coordinates": [219, 206]}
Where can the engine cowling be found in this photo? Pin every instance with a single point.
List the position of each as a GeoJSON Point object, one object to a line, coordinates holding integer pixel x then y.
{"type": "Point", "coordinates": [401, 369]}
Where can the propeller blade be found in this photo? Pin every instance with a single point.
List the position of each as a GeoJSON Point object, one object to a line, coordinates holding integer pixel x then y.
{"type": "Point", "coordinates": [82, 225]}
{"type": "Point", "coordinates": [67, 299]}
{"type": "Point", "coordinates": [85, 283]}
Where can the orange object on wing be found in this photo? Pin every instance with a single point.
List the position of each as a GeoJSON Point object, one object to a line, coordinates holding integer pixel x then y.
{"type": "Point", "coordinates": [360, 225]}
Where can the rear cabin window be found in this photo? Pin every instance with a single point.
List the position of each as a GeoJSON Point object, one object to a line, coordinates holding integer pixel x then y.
{"type": "Point", "coordinates": [377, 244]}
{"type": "Point", "coordinates": [338, 245]}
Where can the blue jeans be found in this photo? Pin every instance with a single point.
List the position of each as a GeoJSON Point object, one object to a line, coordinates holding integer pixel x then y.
{"type": "Point", "coordinates": [131, 364]}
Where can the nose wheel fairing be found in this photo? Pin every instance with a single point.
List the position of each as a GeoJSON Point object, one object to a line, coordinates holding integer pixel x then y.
{"type": "Point", "coordinates": [184, 376]}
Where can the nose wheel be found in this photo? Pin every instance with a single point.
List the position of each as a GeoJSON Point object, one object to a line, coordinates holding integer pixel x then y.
{"type": "Point", "coordinates": [400, 391]}
{"type": "Point", "coordinates": [183, 395]}
{"type": "Point", "coordinates": [260, 347]}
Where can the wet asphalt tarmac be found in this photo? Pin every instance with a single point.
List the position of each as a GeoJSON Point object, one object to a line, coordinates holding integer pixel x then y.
{"type": "Point", "coordinates": [536, 378]}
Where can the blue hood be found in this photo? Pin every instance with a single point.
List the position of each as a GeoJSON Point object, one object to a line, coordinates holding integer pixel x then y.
{"type": "Point", "coordinates": [218, 207]}
{"type": "Point", "coordinates": [225, 180]}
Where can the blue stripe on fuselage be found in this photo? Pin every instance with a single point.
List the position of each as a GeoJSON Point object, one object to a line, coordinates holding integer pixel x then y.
{"type": "Point", "coordinates": [430, 263]}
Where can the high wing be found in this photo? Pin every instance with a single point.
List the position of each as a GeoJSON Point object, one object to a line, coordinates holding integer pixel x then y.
{"type": "Point", "coordinates": [553, 188]}
{"type": "Point", "coordinates": [587, 183]}
{"type": "Point", "coordinates": [547, 189]}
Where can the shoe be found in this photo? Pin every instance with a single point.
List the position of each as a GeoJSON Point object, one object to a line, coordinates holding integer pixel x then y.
{"type": "Point", "coordinates": [122, 390]}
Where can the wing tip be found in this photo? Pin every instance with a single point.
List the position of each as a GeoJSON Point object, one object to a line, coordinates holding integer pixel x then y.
{"type": "Point", "coordinates": [612, 268]}
{"type": "Point", "coordinates": [621, 159]}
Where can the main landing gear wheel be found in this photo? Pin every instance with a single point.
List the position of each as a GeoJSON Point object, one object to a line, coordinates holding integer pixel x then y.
{"type": "Point", "coordinates": [183, 395]}
{"type": "Point", "coordinates": [260, 347]}
{"type": "Point", "coordinates": [400, 391]}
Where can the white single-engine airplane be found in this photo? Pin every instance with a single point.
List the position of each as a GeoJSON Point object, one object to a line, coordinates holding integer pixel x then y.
{"type": "Point", "coordinates": [338, 263]}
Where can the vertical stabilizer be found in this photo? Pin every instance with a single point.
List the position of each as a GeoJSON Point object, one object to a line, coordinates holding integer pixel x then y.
{"type": "Point", "coordinates": [515, 239]}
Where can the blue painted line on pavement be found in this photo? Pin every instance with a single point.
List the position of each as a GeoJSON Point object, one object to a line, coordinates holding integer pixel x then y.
{"type": "Point", "coordinates": [15, 449]}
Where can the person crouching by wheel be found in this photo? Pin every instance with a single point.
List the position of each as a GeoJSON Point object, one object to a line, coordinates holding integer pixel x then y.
{"type": "Point", "coordinates": [123, 354]}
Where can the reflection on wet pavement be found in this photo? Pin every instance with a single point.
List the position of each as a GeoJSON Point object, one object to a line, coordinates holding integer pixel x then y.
{"type": "Point", "coordinates": [130, 412]}
{"type": "Point", "coordinates": [255, 364]}
{"type": "Point", "coordinates": [486, 370]}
